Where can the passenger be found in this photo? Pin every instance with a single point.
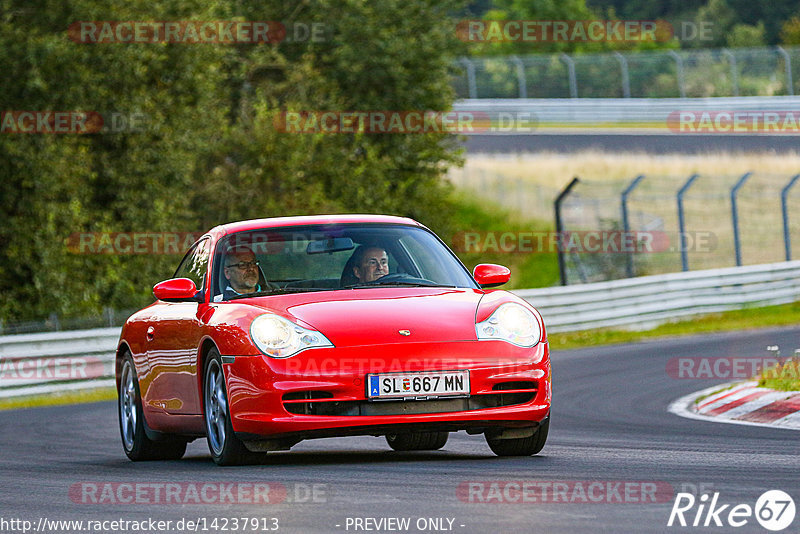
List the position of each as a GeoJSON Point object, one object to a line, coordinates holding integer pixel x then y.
{"type": "Point", "coordinates": [242, 272]}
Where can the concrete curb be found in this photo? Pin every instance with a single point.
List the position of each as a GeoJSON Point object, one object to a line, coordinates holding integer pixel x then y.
{"type": "Point", "coordinates": [742, 403]}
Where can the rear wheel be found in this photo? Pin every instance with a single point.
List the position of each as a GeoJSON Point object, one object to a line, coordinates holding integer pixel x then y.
{"type": "Point", "coordinates": [417, 441]}
{"type": "Point", "coordinates": [521, 446]}
{"type": "Point", "coordinates": [225, 447]}
{"type": "Point", "coordinates": [131, 422]}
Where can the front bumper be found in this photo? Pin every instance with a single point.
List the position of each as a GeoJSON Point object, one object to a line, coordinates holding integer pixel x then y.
{"type": "Point", "coordinates": [322, 392]}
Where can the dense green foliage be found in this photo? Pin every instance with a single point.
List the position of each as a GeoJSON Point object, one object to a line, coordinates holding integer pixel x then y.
{"type": "Point", "coordinates": [760, 22]}
{"type": "Point", "coordinates": [206, 151]}
{"type": "Point", "coordinates": [729, 23]}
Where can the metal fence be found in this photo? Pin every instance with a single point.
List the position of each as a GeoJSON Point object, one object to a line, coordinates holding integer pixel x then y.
{"type": "Point", "coordinates": [693, 222]}
{"type": "Point", "coordinates": [765, 71]}
{"type": "Point", "coordinates": [689, 222]}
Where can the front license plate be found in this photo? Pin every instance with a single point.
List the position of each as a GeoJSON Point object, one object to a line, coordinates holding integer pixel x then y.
{"type": "Point", "coordinates": [400, 385]}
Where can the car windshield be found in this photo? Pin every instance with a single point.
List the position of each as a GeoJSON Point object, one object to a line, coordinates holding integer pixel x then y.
{"type": "Point", "coordinates": [333, 257]}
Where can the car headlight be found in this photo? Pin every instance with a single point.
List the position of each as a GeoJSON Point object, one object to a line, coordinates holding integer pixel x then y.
{"type": "Point", "coordinates": [513, 323]}
{"type": "Point", "coordinates": [278, 337]}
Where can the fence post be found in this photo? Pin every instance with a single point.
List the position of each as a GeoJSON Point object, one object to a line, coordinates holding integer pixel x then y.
{"type": "Point", "coordinates": [734, 71]}
{"type": "Point", "coordinates": [682, 221]}
{"type": "Point", "coordinates": [679, 67]}
{"type": "Point", "coordinates": [787, 238]}
{"type": "Point", "coordinates": [626, 227]}
{"type": "Point", "coordinates": [788, 61]}
{"type": "Point", "coordinates": [573, 80]}
{"type": "Point", "coordinates": [735, 217]}
{"type": "Point", "coordinates": [626, 81]}
{"type": "Point", "coordinates": [471, 85]}
{"type": "Point", "coordinates": [523, 89]}
{"type": "Point", "coordinates": [562, 268]}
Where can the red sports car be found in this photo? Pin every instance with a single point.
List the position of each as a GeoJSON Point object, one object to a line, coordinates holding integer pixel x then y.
{"type": "Point", "coordinates": [278, 330]}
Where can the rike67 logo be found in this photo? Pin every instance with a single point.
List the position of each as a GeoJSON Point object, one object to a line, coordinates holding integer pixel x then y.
{"type": "Point", "coordinates": [774, 510]}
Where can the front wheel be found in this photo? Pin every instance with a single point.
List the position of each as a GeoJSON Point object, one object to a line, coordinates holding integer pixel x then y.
{"type": "Point", "coordinates": [225, 447]}
{"type": "Point", "coordinates": [131, 422]}
{"type": "Point", "coordinates": [417, 441]}
{"type": "Point", "coordinates": [521, 446]}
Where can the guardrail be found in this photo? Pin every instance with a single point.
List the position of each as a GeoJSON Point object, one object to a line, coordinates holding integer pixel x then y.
{"type": "Point", "coordinates": [655, 111]}
{"type": "Point", "coordinates": [647, 301]}
{"type": "Point", "coordinates": [33, 364]}
{"type": "Point", "coordinates": [46, 363]}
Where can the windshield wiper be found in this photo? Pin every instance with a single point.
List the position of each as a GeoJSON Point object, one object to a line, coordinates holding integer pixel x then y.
{"type": "Point", "coordinates": [395, 283]}
{"type": "Point", "coordinates": [280, 290]}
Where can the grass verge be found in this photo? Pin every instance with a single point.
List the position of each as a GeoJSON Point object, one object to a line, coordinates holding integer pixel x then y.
{"type": "Point", "coordinates": [482, 228]}
{"type": "Point", "coordinates": [745, 319]}
{"type": "Point", "coordinates": [57, 398]}
{"type": "Point", "coordinates": [785, 377]}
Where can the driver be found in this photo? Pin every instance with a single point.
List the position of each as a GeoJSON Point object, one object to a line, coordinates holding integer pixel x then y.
{"type": "Point", "coordinates": [241, 270]}
{"type": "Point", "coordinates": [370, 264]}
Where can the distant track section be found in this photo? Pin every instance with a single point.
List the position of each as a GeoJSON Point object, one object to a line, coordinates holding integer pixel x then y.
{"type": "Point", "coordinates": [628, 141]}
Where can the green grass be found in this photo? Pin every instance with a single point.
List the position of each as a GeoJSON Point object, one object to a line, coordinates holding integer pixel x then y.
{"type": "Point", "coordinates": [490, 222]}
{"type": "Point", "coordinates": [749, 318]}
{"type": "Point", "coordinates": [53, 399]}
{"type": "Point", "coordinates": [716, 391]}
{"type": "Point", "coordinates": [784, 377]}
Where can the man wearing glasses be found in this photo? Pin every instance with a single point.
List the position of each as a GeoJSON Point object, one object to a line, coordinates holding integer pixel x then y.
{"type": "Point", "coordinates": [241, 270]}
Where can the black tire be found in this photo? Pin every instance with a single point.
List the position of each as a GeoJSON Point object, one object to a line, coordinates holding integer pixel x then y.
{"type": "Point", "coordinates": [225, 447]}
{"type": "Point", "coordinates": [521, 446]}
{"type": "Point", "coordinates": [137, 445]}
{"type": "Point", "coordinates": [417, 441]}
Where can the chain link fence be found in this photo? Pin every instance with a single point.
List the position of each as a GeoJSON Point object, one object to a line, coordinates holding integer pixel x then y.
{"type": "Point", "coordinates": [765, 71]}
{"type": "Point", "coordinates": [592, 215]}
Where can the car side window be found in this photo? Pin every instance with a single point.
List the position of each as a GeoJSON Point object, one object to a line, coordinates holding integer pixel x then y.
{"type": "Point", "coordinates": [195, 264]}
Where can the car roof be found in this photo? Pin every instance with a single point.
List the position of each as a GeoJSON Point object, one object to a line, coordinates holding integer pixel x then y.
{"type": "Point", "coordinates": [276, 222]}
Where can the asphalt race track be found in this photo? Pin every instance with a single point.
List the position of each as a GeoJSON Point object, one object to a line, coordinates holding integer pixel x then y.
{"type": "Point", "coordinates": [610, 425]}
{"type": "Point", "coordinates": [615, 141]}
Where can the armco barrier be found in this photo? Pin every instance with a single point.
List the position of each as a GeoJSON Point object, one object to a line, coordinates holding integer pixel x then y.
{"type": "Point", "coordinates": [32, 364]}
{"type": "Point", "coordinates": [632, 303]}
{"type": "Point", "coordinates": [647, 301]}
{"type": "Point", "coordinates": [596, 111]}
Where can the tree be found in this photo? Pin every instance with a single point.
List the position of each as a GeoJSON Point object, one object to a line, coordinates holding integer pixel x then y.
{"type": "Point", "coordinates": [207, 151]}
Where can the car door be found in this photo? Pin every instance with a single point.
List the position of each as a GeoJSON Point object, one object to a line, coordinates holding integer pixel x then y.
{"type": "Point", "coordinates": [173, 339]}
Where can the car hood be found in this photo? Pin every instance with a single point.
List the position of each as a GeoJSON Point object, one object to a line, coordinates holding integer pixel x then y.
{"type": "Point", "coordinates": [378, 315]}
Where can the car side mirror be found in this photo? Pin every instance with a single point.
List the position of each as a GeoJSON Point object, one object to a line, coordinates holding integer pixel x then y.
{"type": "Point", "coordinates": [176, 290]}
{"type": "Point", "coordinates": [491, 275]}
